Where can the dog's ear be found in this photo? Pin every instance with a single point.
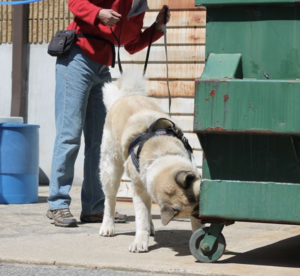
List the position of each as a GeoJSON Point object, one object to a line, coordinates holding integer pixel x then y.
{"type": "Point", "coordinates": [185, 179]}
{"type": "Point", "coordinates": [167, 213]}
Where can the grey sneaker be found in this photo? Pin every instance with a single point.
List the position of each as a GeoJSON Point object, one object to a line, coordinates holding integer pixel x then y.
{"type": "Point", "coordinates": [62, 217]}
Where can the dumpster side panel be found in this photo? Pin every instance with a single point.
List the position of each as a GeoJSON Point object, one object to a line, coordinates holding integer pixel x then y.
{"type": "Point", "coordinates": [250, 201]}
{"type": "Point", "coordinates": [247, 105]}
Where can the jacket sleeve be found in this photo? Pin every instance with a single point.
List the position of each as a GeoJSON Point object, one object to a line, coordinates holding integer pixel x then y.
{"type": "Point", "coordinates": [85, 10]}
{"type": "Point", "coordinates": [142, 40]}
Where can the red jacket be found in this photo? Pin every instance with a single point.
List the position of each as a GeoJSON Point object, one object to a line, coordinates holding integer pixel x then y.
{"type": "Point", "coordinates": [86, 22]}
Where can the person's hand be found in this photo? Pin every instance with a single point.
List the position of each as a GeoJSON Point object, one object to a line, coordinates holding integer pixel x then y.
{"type": "Point", "coordinates": [109, 17]}
{"type": "Point", "coordinates": [161, 17]}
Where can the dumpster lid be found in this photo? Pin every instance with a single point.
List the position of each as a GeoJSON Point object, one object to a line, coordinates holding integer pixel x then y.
{"type": "Point", "coordinates": [241, 2]}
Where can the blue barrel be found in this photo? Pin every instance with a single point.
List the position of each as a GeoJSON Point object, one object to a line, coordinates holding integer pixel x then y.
{"type": "Point", "coordinates": [19, 163]}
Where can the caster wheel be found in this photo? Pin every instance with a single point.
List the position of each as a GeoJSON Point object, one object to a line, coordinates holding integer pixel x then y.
{"type": "Point", "coordinates": [206, 256]}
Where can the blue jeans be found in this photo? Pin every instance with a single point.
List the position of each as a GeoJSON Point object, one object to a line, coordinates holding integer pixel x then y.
{"type": "Point", "coordinates": [78, 107]}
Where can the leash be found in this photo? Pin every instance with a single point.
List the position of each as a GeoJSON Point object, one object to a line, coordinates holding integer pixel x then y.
{"type": "Point", "coordinates": [148, 52]}
{"type": "Point", "coordinates": [166, 51]}
{"type": "Point", "coordinates": [167, 62]}
{"type": "Point", "coordinates": [119, 45]}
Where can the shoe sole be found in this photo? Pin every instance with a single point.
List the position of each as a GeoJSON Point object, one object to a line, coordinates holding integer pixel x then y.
{"type": "Point", "coordinates": [72, 224]}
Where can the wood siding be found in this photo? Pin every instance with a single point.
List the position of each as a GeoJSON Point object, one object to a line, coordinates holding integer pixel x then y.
{"type": "Point", "coordinates": [6, 18]}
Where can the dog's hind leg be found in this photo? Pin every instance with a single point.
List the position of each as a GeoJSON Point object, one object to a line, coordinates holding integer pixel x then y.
{"type": "Point", "coordinates": [144, 226]}
{"type": "Point", "coordinates": [111, 167]}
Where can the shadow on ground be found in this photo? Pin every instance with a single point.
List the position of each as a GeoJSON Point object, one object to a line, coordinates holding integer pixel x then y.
{"type": "Point", "coordinates": [42, 199]}
{"type": "Point", "coordinates": [284, 253]}
{"type": "Point", "coordinates": [177, 240]}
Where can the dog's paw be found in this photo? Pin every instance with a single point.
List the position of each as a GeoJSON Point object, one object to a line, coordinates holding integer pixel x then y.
{"type": "Point", "coordinates": [107, 229]}
{"type": "Point", "coordinates": [138, 246]}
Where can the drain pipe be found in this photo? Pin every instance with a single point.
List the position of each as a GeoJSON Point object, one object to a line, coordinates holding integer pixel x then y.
{"type": "Point", "coordinates": [20, 61]}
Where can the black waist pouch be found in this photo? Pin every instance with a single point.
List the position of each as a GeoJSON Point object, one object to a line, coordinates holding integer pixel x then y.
{"type": "Point", "coordinates": [61, 43]}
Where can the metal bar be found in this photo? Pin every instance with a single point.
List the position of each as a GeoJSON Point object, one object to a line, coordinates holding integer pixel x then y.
{"type": "Point", "coordinates": [211, 237]}
{"type": "Point", "coordinates": [19, 60]}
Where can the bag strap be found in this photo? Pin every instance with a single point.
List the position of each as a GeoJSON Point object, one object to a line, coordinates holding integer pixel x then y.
{"type": "Point", "coordinates": [103, 39]}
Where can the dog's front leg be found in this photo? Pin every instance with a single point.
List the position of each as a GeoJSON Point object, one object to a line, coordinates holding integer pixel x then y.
{"type": "Point", "coordinates": [142, 207]}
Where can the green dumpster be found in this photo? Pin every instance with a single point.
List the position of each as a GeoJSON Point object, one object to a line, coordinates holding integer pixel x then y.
{"type": "Point", "coordinates": [247, 118]}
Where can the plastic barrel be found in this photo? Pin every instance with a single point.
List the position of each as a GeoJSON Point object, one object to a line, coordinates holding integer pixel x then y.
{"type": "Point", "coordinates": [19, 163]}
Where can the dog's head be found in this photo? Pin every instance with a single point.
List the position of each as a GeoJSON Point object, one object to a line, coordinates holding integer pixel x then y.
{"type": "Point", "coordinates": [175, 186]}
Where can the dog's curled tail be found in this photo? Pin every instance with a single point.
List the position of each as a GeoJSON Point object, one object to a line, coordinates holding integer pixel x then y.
{"type": "Point", "coordinates": [130, 82]}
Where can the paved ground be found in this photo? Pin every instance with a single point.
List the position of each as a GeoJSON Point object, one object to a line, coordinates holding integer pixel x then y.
{"type": "Point", "coordinates": [27, 236]}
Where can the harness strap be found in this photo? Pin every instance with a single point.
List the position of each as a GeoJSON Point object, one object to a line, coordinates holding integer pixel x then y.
{"type": "Point", "coordinates": [141, 139]}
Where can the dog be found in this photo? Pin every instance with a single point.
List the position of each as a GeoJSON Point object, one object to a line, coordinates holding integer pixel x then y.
{"type": "Point", "coordinates": [162, 169]}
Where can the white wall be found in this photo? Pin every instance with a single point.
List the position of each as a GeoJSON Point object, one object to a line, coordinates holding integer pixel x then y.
{"type": "Point", "coordinates": [5, 79]}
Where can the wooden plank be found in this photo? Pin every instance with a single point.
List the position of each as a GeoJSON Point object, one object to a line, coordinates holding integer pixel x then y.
{"type": "Point", "coordinates": [158, 71]}
{"type": "Point", "coordinates": [158, 88]}
{"type": "Point", "coordinates": [180, 19]}
{"type": "Point", "coordinates": [178, 88]}
{"type": "Point", "coordinates": [198, 155]}
{"type": "Point", "coordinates": [179, 106]}
{"type": "Point", "coordinates": [184, 36]}
{"type": "Point", "coordinates": [193, 140]}
{"type": "Point", "coordinates": [182, 53]}
{"type": "Point", "coordinates": [185, 122]}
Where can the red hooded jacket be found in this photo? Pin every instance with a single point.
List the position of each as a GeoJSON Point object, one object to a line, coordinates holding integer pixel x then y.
{"type": "Point", "coordinates": [86, 22]}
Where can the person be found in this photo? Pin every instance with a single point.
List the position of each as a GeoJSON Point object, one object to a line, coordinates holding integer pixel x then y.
{"type": "Point", "coordinates": [80, 77]}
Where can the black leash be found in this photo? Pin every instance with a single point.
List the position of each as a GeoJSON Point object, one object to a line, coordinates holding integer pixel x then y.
{"type": "Point", "coordinates": [148, 51]}
{"type": "Point", "coordinates": [119, 45]}
{"type": "Point", "coordinates": [167, 62]}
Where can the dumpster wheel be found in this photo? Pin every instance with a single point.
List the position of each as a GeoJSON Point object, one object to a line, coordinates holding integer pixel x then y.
{"type": "Point", "coordinates": [206, 256]}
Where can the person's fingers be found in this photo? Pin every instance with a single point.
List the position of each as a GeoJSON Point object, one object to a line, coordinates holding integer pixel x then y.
{"type": "Point", "coordinates": [116, 14]}
{"type": "Point", "coordinates": [114, 19]}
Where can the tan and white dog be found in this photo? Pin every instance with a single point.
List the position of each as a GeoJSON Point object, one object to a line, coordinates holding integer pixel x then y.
{"type": "Point", "coordinates": [167, 173]}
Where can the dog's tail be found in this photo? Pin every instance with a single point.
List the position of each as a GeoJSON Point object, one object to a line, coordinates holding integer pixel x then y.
{"type": "Point", "coordinates": [130, 82]}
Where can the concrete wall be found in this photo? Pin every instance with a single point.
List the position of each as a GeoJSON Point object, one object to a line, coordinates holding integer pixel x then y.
{"type": "Point", "coordinates": [5, 79]}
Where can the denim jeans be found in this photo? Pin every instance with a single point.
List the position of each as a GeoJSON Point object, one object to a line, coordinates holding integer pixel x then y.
{"type": "Point", "coordinates": [78, 107]}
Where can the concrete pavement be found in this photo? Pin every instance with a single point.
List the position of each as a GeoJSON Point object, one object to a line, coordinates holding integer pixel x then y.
{"type": "Point", "coordinates": [27, 236]}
